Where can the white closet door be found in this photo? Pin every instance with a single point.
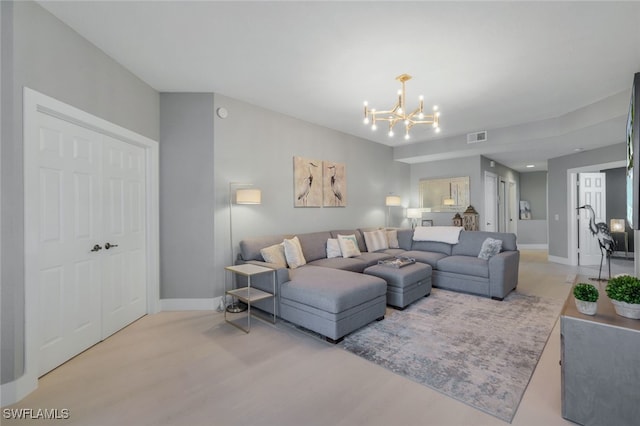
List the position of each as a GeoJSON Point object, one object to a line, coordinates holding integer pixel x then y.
{"type": "Point", "coordinates": [124, 279]}
{"type": "Point", "coordinates": [70, 226]}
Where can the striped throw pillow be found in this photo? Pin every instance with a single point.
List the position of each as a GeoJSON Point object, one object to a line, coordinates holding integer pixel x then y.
{"type": "Point", "coordinates": [376, 240]}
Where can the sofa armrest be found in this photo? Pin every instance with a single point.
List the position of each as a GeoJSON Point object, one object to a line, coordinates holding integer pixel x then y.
{"type": "Point", "coordinates": [503, 273]}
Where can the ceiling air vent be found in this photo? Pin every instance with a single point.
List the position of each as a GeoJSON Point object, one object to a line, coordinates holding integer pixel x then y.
{"type": "Point", "coordinates": [477, 137]}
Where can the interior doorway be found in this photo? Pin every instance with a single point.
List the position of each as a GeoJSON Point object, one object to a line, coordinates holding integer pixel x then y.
{"type": "Point", "coordinates": [572, 204]}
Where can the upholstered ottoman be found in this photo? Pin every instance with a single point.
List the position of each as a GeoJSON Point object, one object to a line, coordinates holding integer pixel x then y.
{"type": "Point", "coordinates": [404, 285]}
{"type": "Point", "coordinates": [332, 302]}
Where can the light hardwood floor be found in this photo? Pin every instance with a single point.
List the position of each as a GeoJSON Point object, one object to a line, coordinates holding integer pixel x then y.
{"type": "Point", "coordinates": [191, 368]}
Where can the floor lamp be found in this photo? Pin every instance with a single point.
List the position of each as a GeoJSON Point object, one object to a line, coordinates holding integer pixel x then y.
{"type": "Point", "coordinates": [391, 201]}
{"type": "Point", "coordinates": [243, 195]}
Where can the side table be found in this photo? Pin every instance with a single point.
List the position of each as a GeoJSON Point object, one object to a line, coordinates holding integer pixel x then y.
{"type": "Point", "coordinates": [249, 294]}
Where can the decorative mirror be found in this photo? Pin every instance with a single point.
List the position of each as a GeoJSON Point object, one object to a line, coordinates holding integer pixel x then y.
{"type": "Point", "coordinates": [444, 195]}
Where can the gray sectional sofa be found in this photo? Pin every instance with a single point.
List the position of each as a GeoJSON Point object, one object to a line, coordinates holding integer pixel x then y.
{"type": "Point", "coordinates": [333, 297]}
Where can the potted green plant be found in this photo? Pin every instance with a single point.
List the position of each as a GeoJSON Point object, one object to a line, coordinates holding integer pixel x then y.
{"type": "Point", "coordinates": [586, 297]}
{"type": "Point", "coordinates": [624, 292]}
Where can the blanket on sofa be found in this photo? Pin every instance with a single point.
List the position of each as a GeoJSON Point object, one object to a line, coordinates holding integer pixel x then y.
{"type": "Point", "coordinates": [442, 234]}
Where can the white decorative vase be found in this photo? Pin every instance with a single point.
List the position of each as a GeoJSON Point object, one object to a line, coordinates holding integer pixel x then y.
{"type": "Point", "coordinates": [587, 308]}
{"type": "Point", "coordinates": [627, 310]}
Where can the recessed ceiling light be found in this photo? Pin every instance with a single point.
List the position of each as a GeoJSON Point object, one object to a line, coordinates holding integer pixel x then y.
{"type": "Point", "coordinates": [528, 166]}
{"type": "Point", "coordinates": [578, 149]}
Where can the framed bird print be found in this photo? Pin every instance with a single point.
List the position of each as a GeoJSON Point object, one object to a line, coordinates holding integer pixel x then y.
{"type": "Point", "coordinates": [334, 184]}
{"type": "Point", "coordinates": [307, 182]}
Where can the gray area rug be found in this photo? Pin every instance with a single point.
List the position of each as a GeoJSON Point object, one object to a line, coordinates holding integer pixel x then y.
{"type": "Point", "coordinates": [477, 350]}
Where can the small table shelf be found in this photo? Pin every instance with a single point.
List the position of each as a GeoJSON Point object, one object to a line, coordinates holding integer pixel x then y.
{"type": "Point", "coordinates": [250, 294]}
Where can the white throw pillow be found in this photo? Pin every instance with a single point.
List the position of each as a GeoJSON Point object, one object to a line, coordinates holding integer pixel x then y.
{"type": "Point", "coordinates": [274, 254]}
{"type": "Point", "coordinates": [392, 237]}
{"type": "Point", "coordinates": [376, 240]}
{"type": "Point", "coordinates": [333, 248]}
{"type": "Point", "coordinates": [490, 247]}
{"type": "Point", "coordinates": [293, 253]}
{"type": "Point", "coordinates": [348, 245]}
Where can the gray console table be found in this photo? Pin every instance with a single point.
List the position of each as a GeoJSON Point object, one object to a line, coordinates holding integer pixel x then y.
{"type": "Point", "coordinates": [600, 366]}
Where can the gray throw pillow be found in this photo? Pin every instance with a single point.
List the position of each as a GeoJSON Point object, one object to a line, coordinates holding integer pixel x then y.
{"type": "Point", "coordinates": [490, 247]}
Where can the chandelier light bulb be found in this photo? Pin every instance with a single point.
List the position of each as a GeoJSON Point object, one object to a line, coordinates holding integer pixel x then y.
{"type": "Point", "coordinates": [437, 129]}
{"type": "Point", "coordinates": [406, 137]}
{"type": "Point", "coordinates": [366, 120]}
{"type": "Point", "coordinates": [374, 127]}
{"type": "Point", "coordinates": [399, 110]}
{"type": "Point", "coordinates": [421, 116]}
{"type": "Point", "coordinates": [421, 98]}
{"type": "Point", "coordinates": [366, 103]}
{"type": "Point", "coordinates": [435, 125]}
{"type": "Point", "coordinates": [435, 107]}
{"type": "Point", "coordinates": [406, 122]}
{"type": "Point", "coordinates": [390, 133]}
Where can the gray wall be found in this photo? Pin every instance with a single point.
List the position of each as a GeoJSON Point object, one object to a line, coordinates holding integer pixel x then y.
{"type": "Point", "coordinates": [473, 166]}
{"type": "Point", "coordinates": [469, 166]}
{"type": "Point", "coordinates": [533, 188]}
{"type": "Point", "coordinates": [254, 145]}
{"type": "Point", "coordinates": [44, 54]}
{"type": "Point", "coordinates": [557, 177]}
{"type": "Point", "coordinates": [186, 202]}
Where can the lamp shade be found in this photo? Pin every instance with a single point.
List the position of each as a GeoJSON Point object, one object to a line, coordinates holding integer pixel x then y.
{"type": "Point", "coordinates": [617, 225]}
{"type": "Point", "coordinates": [414, 213]}
{"type": "Point", "coordinates": [392, 200]}
{"type": "Point", "coordinates": [248, 196]}
{"type": "Point", "coordinates": [449, 202]}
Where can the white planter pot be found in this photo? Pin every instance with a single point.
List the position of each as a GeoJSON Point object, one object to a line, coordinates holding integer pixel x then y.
{"type": "Point", "coordinates": [587, 308]}
{"type": "Point", "coordinates": [627, 310]}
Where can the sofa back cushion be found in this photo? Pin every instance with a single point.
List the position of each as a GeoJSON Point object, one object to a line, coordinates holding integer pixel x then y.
{"type": "Point", "coordinates": [314, 245]}
{"type": "Point", "coordinates": [361, 245]}
{"type": "Point", "coordinates": [250, 247]}
{"type": "Point", "coordinates": [433, 246]}
{"type": "Point", "coordinates": [470, 242]}
{"type": "Point", "coordinates": [405, 238]}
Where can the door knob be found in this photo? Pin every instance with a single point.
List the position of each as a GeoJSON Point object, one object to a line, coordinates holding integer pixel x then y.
{"type": "Point", "coordinates": [96, 248]}
{"type": "Point", "coordinates": [109, 245]}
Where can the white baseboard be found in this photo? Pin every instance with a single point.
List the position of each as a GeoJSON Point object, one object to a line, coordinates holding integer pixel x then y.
{"type": "Point", "coordinates": [209, 304]}
{"type": "Point", "coordinates": [561, 260]}
{"type": "Point", "coordinates": [12, 392]}
{"type": "Point", "coordinates": [533, 246]}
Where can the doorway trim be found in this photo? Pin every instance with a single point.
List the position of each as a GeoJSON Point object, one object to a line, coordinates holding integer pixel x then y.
{"type": "Point", "coordinates": [572, 203]}
{"type": "Point", "coordinates": [35, 103]}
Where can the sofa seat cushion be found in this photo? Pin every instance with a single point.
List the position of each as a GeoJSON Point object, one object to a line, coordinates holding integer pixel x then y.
{"type": "Point", "coordinates": [344, 263]}
{"type": "Point", "coordinates": [371, 259]}
{"type": "Point", "coordinates": [395, 252]}
{"type": "Point", "coordinates": [428, 257]}
{"type": "Point", "coordinates": [331, 290]}
{"type": "Point", "coordinates": [465, 265]}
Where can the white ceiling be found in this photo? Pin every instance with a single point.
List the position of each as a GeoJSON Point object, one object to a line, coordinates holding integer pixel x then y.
{"type": "Point", "coordinates": [488, 65]}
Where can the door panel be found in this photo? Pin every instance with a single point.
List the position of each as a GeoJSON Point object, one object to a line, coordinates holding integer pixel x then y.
{"type": "Point", "coordinates": [70, 274]}
{"type": "Point", "coordinates": [490, 202]}
{"type": "Point", "coordinates": [592, 187]}
{"type": "Point", "coordinates": [124, 177]}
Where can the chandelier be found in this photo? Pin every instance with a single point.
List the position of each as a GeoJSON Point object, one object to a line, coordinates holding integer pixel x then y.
{"type": "Point", "coordinates": [399, 113]}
